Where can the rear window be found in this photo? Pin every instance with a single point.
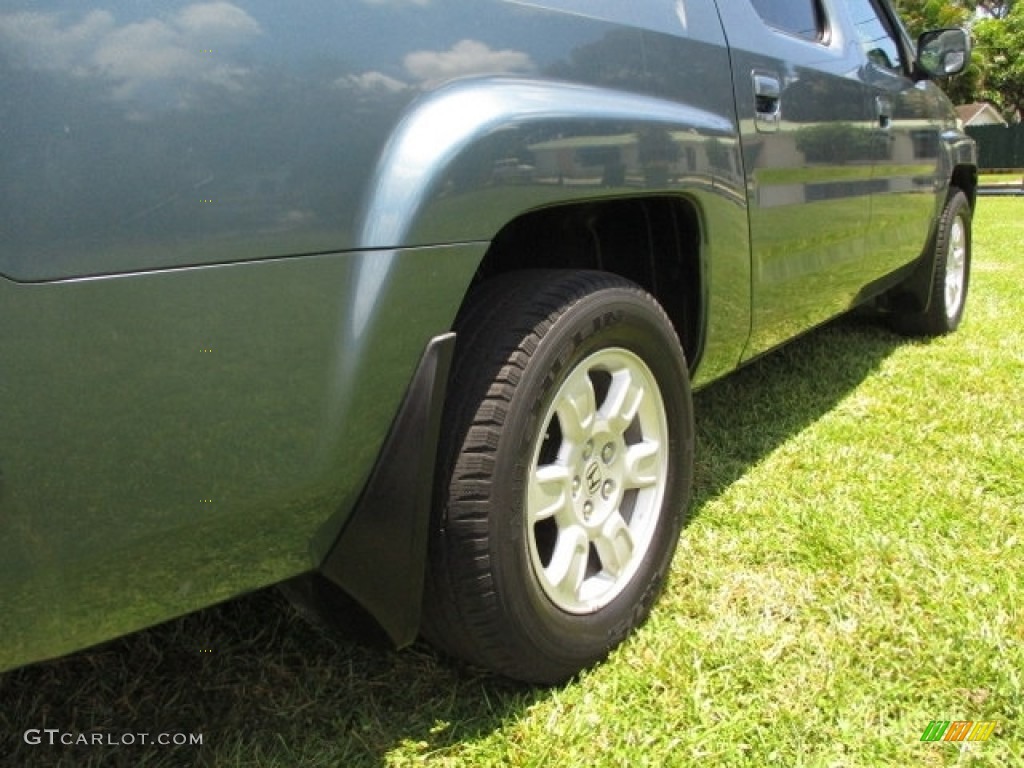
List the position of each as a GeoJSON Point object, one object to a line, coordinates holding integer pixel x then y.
{"type": "Point", "coordinates": [801, 18]}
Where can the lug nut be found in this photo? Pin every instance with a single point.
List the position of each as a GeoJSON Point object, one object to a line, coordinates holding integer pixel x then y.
{"type": "Point", "coordinates": [607, 488]}
{"type": "Point", "coordinates": [608, 453]}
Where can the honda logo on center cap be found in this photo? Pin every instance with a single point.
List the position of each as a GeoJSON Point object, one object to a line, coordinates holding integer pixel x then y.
{"type": "Point", "coordinates": [593, 479]}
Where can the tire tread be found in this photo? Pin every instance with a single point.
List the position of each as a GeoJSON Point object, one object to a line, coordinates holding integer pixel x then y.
{"type": "Point", "coordinates": [499, 329]}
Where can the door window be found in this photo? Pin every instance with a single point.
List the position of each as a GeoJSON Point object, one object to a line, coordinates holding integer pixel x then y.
{"type": "Point", "coordinates": [875, 35]}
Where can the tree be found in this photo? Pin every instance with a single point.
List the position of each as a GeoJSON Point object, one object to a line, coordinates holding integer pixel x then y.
{"type": "Point", "coordinates": [997, 9]}
{"type": "Point", "coordinates": [922, 15]}
{"type": "Point", "coordinates": [996, 72]}
{"type": "Point", "coordinates": [999, 45]}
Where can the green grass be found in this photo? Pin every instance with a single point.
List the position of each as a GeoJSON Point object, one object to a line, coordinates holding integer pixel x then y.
{"type": "Point", "coordinates": [1016, 177]}
{"type": "Point", "coordinates": [852, 571]}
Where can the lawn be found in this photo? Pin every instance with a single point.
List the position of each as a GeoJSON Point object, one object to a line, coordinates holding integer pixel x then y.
{"type": "Point", "coordinates": [1015, 177]}
{"type": "Point", "coordinates": [852, 572]}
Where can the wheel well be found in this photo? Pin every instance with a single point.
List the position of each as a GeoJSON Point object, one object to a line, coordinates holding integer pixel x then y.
{"type": "Point", "coordinates": [655, 242]}
{"type": "Point", "coordinates": [966, 178]}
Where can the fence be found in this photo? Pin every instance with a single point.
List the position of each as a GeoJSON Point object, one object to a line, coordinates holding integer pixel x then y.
{"type": "Point", "coordinates": [999, 146]}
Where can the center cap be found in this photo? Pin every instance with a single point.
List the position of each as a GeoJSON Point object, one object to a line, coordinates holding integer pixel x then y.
{"type": "Point", "coordinates": [594, 478]}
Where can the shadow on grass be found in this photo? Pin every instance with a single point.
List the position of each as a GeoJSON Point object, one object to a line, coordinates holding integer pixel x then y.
{"type": "Point", "coordinates": [263, 686]}
{"type": "Point", "coordinates": [266, 687]}
{"type": "Point", "coordinates": [747, 415]}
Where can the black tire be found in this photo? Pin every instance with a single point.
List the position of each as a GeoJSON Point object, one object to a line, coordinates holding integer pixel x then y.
{"type": "Point", "coordinates": [951, 258]}
{"type": "Point", "coordinates": [606, 507]}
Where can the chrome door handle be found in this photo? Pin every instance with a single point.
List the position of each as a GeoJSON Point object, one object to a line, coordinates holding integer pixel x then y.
{"type": "Point", "coordinates": [883, 107]}
{"type": "Point", "coordinates": [767, 101]}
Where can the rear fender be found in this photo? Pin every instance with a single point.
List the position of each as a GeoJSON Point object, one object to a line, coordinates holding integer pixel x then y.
{"type": "Point", "coordinates": [436, 179]}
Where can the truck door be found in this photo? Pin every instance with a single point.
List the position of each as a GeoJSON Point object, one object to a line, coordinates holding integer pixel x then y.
{"type": "Point", "coordinates": [808, 141]}
{"type": "Point", "coordinates": [907, 125]}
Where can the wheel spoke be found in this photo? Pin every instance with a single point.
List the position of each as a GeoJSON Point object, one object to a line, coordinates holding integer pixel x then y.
{"type": "Point", "coordinates": [569, 562]}
{"type": "Point", "coordinates": [623, 401]}
{"type": "Point", "coordinates": [549, 492]}
{"type": "Point", "coordinates": [955, 267]}
{"type": "Point", "coordinates": [595, 491]}
{"type": "Point", "coordinates": [577, 408]}
{"type": "Point", "coordinates": [615, 546]}
{"type": "Point", "coordinates": [643, 463]}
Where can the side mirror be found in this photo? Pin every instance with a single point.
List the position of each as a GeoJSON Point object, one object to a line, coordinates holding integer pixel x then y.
{"type": "Point", "coordinates": [943, 52]}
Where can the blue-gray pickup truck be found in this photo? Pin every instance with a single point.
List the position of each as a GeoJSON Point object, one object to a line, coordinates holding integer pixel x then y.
{"type": "Point", "coordinates": [407, 298]}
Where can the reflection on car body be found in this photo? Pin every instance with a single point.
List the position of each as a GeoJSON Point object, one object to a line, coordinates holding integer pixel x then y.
{"type": "Point", "coordinates": [407, 298]}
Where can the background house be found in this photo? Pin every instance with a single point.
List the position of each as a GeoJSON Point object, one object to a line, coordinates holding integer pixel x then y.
{"type": "Point", "coordinates": [979, 113]}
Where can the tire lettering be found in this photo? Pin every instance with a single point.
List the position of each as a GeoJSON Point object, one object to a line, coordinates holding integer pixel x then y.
{"type": "Point", "coordinates": [607, 320]}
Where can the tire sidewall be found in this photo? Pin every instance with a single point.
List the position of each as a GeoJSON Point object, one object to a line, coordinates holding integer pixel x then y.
{"type": "Point", "coordinates": [613, 317]}
{"type": "Point", "coordinates": [957, 208]}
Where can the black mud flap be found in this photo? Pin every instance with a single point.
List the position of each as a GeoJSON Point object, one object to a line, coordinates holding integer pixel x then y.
{"type": "Point", "coordinates": [379, 558]}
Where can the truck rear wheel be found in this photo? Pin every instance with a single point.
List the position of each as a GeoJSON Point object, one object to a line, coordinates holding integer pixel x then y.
{"type": "Point", "coordinates": [564, 473]}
